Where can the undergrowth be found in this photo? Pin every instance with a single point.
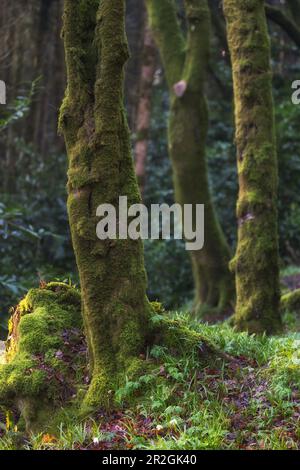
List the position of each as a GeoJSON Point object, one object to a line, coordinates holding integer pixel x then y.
{"type": "Point", "coordinates": [244, 395]}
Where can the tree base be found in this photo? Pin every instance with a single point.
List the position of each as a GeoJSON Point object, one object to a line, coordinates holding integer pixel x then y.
{"type": "Point", "coordinates": [39, 381]}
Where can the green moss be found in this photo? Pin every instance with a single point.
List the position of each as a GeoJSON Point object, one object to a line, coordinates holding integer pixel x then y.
{"type": "Point", "coordinates": [157, 307]}
{"type": "Point", "coordinates": [34, 374]}
{"type": "Point", "coordinates": [290, 302]}
{"type": "Point", "coordinates": [256, 260]}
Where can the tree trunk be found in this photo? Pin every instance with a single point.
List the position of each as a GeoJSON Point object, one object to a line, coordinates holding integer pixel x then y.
{"type": "Point", "coordinates": [49, 65]}
{"type": "Point", "coordinates": [143, 119]}
{"type": "Point", "coordinates": [185, 65]}
{"type": "Point", "coordinates": [31, 50]}
{"type": "Point", "coordinates": [135, 23]}
{"type": "Point", "coordinates": [256, 260]}
{"type": "Point", "coordinates": [112, 275]}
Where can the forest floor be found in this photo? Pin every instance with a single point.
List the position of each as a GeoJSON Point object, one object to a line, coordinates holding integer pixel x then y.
{"type": "Point", "coordinates": [243, 395]}
{"type": "Point", "coordinates": [247, 399]}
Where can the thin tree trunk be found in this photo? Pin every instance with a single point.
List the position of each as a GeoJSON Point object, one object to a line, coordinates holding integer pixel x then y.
{"type": "Point", "coordinates": [136, 16]}
{"type": "Point", "coordinates": [32, 49]}
{"type": "Point", "coordinates": [256, 261]}
{"type": "Point", "coordinates": [144, 107]}
{"type": "Point", "coordinates": [112, 275]}
{"type": "Point", "coordinates": [49, 66]}
{"type": "Point", "coordinates": [185, 65]}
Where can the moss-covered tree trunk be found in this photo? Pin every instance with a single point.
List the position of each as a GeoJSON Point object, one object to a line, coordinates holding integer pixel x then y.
{"type": "Point", "coordinates": [112, 275]}
{"type": "Point", "coordinates": [186, 63]}
{"type": "Point", "coordinates": [256, 260]}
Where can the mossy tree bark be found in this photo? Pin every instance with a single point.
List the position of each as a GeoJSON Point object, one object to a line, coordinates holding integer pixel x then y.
{"type": "Point", "coordinates": [256, 260]}
{"type": "Point", "coordinates": [112, 275]}
{"type": "Point", "coordinates": [186, 63]}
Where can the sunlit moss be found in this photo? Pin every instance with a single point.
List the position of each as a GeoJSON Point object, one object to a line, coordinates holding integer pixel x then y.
{"type": "Point", "coordinates": [35, 337]}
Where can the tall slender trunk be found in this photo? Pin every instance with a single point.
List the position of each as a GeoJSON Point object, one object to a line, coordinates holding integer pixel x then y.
{"type": "Point", "coordinates": [185, 64]}
{"type": "Point", "coordinates": [256, 261]}
{"type": "Point", "coordinates": [31, 49]}
{"type": "Point", "coordinates": [136, 17]}
{"type": "Point", "coordinates": [49, 65]}
{"type": "Point", "coordinates": [112, 275]}
{"type": "Point", "coordinates": [143, 118]}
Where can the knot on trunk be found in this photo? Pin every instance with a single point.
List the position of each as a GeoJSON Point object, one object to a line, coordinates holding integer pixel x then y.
{"type": "Point", "coordinates": [180, 88]}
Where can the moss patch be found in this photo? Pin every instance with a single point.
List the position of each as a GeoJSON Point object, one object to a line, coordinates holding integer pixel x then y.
{"type": "Point", "coordinates": [46, 352]}
{"type": "Point", "coordinates": [291, 302]}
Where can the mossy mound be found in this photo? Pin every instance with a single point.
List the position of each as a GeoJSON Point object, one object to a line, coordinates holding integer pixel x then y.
{"type": "Point", "coordinates": [46, 353]}
{"type": "Point", "coordinates": [47, 372]}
